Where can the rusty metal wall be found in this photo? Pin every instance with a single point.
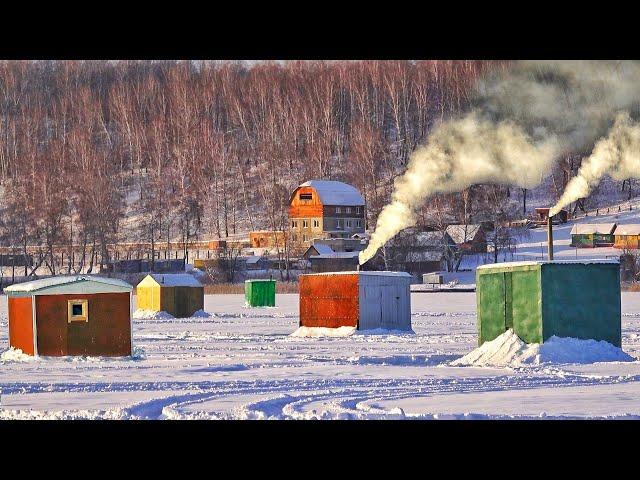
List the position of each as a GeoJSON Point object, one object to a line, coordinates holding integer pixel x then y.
{"type": "Point", "coordinates": [107, 333]}
{"type": "Point", "coordinates": [20, 324]}
{"type": "Point", "coordinates": [329, 300]}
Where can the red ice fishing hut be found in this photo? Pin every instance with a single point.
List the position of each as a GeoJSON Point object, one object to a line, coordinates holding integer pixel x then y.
{"type": "Point", "coordinates": [365, 300]}
{"type": "Point", "coordinates": [71, 315]}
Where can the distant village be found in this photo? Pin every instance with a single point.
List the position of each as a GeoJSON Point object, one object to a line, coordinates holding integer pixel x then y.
{"type": "Point", "coordinates": [327, 229]}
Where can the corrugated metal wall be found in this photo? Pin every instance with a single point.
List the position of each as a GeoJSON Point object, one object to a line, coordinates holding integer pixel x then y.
{"type": "Point", "coordinates": [582, 301]}
{"type": "Point", "coordinates": [539, 301]}
{"type": "Point", "coordinates": [385, 302]}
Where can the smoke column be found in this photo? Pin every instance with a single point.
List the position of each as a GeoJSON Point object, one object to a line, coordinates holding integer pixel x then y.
{"type": "Point", "coordinates": [617, 155]}
{"type": "Point", "coordinates": [519, 122]}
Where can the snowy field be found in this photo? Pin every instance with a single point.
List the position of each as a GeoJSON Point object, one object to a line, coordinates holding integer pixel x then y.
{"type": "Point", "coordinates": [242, 364]}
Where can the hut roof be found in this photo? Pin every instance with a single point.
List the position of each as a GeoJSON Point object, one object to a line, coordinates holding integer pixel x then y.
{"type": "Point", "coordinates": [593, 228]}
{"type": "Point", "coordinates": [632, 229]}
{"type": "Point", "coordinates": [490, 266]}
{"type": "Point", "coordinates": [335, 193]}
{"type": "Point", "coordinates": [69, 284]}
{"type": "Point", "coordinates": [463, 233]}
{"type": "Point", "coordinates": [175, 279]}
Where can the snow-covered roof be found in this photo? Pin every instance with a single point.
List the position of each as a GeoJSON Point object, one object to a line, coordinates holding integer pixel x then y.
{"type": "Point", "coordinates": [335, 193]}
{"type": "Point", "coordinates": [366, 273]}
{"type": "Point", "coordinates": [336, 255]}
{"type": "Point", "coordinates": [462, 233]}
{"type": "Point", "coordinates": [542, 262]}
{"type": "Point", "coordinates": [322, 249]}
{"type": "Point", "coordinates": [631, 229]}
{"type": "Point", "coordinates": [175, 279]}
{"type": "Point", "coordinates": [253, 259]}
{"type": "Point", "coordinates": [593, 228]}
{"type": "Point", "coordinates": [69, 284]}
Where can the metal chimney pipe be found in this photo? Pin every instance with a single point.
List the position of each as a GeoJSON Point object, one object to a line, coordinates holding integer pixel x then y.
{"type": "Point", "coordinates": [550, 237]}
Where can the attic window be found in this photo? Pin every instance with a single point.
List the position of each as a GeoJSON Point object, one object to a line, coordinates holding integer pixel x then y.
{"type": "Point", "coordinates": [78, 310]}
{"type": "Point", "coordinates": [306, 196]}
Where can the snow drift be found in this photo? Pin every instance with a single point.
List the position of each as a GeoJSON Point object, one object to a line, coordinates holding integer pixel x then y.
{"type": "Point", "coordinates": [509, 350]}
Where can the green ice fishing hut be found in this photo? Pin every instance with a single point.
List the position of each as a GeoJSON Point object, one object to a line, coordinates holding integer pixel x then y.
{"type": "Point", "coordinates": [260, 293]}
{"type": "Point", "coordinates": [539, 299]}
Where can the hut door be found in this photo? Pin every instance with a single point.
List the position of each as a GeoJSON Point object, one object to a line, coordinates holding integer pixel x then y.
{"type": "Point", "coordinates": [508, 301]}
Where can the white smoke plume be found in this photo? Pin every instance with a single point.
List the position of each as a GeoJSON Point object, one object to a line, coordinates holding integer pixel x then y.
{"type": "Point", "coordinates": [520, 121]}
{"type": "Point", "coordinates": [616, 155]}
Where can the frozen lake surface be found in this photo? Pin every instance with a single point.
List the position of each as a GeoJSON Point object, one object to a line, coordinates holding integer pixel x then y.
{"type": "Point", "coordinates": [241, 363]}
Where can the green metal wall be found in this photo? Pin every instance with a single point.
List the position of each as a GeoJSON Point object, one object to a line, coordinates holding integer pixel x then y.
{"type": "Point", "coordinates": [582, 240]}
{"type": "Point", "coordinates": [539, 301]}
{"type": "Point", "coordinates": [260, 293]}
{"type": "Point", "coordinates": [509, 297]}
{"type": "Point", "coordinates": [582, 301]}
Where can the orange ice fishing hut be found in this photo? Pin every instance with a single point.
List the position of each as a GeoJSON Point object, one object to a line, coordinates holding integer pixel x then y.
{"type": "Point", "coordinates": [70, 315]}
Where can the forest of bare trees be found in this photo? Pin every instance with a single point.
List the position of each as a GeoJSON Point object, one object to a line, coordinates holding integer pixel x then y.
{"type": "Point", "coordinates": [95, 153]}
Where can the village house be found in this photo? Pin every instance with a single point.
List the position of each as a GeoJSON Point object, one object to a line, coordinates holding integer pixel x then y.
{"type": "Point", "coordinates": [470, 238]}
{"type": "Point", "coordinates": [627, 236]}
{"type": "Point", "coordinates": [325, 209]}
{"type": "Point", "coordinates": [543, 215]}
{"type": "Point", "coordinates": [589, 235]}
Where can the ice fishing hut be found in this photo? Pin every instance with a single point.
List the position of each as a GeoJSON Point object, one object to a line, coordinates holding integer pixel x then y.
{"type": "Point", "coordinates": [70, 315]}
{"type": "Point", "coordinates": [365, 300]}
{"type": "Point", "coordinates": [260, 293]}
{"type": "Point", "coordinates": [539, 299]}
{"type": "Point", "coordinates": [178, 294]}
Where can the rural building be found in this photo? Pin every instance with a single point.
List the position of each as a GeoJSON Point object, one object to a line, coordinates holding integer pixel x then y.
{"type": "Point", "coordinates": [260, 293]}
{"type": "Point", "coordinates": [627, 236]}
{"type": "Point", "coordinates": [317, 249]}
{"type": "Point", "coordinates": [144, 265]}
{"type": "Point", "coordinates": [325, 209]}
{"type": "Point", "coordinates": [334, 262]}
{"type": "Point", "coordinates": [70, 315]}
{"type": "Point", "coordinates": [542, 215]}
{"type": "Point", "coordinates": [255, 262]}
{"type": "Point", "coordinates": [470, 238]}
{"type": "Point", "coordinates": [180, 295]}
{"type": "Point", "coordinates": [589, 235]}
{"type": "Point", "coordinates": [416, 251]}
{"type": "Point", "coordinates": [541, 299]}
{"type": "Point", "coordinates": [354, 244]}
{"type": "Point", "coordinates": [365, 300]}
{"type": "Point", "coordinates": [266, 239]}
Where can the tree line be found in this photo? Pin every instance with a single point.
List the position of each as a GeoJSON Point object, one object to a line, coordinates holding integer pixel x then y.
{"type": "Point", "coordinates": [96, 153]}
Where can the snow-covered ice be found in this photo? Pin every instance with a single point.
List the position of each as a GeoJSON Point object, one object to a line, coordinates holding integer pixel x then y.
{"type": "Point", "coordinates": [243, 363]}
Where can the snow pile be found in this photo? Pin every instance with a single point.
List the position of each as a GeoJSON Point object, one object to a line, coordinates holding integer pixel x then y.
{"type": "Point", "coordinates": [141, 314]}
{"type": "Point", "coordinates": [201, 314]}
{"type": "Point", "coordinates": [323, 332]}
{"type": "Point", "coordinates": [384, 331]}
{"type": "Point", "coordinates": [16, 355]}
{"type": "Point", "coordinates": [509, 350]}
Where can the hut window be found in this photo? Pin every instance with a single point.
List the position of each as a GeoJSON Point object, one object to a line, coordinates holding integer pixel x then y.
{"type": "Point", "coordinates": [306, 196]}
{"type": "Point", "coordinates": [78, 310]}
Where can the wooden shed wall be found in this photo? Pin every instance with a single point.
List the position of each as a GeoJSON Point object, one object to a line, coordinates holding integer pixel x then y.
{"type": "Point", "coordinates": [106, 333]}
